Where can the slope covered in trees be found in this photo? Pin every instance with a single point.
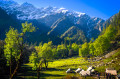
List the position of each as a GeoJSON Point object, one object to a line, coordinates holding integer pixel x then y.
{"type": "Point", "coordinates": [109, 38]}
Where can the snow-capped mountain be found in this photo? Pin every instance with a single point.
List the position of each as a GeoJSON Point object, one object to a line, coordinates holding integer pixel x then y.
{"type": "Point", "coordinates": [59, 20]}
{"type": "Point", "coordinates": [28, 11]}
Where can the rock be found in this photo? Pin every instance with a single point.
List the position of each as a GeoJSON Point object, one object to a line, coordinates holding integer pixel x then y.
{"type": "Point", "coordinates": [85, 73]}
{"type": "Point", "coordinates": [69, 71]}
{"type": "Point", "coordinates": [78, 70]}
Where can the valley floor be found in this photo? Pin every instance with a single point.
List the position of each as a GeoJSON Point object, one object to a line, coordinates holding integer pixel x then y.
{"type": "Point", "coordinates": [57, 68]}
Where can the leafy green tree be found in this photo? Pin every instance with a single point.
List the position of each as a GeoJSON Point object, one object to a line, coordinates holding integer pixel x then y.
{"type": "Point", "coordinates": [45, 52]}
{"type": "Point", "coordinates": [62, 51]}
{"type": "Point", "coordinates": [91, 49]}
{"type": "Point", "coordinates": [14, 44]}
{"type": "Point", "coordinates": [84, 51]}
{"type": "Point", "coordinates": [110, 32]}
{"type": "Point", "coordinates": [54, 50]}
{"type": "Point", "coordinates": [101, 44]}
{"type": "Point", "coordinates": [75, 47]}
{"type": "Point", "coordinates": [12, 47]}
{"type": "Point", "coordinates": [36, 61]}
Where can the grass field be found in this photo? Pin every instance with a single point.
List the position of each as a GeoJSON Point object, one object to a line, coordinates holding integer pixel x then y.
{"type": "Point", "coordinates": [57, 68]}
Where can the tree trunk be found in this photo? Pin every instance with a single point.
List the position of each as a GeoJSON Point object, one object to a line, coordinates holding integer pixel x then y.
{"type": "Point", "coordinates": [15, 70]}
{"type": "Point", "coordinates": [10, 64]}
{"type": "Point", "coordinates": [17, 66]}
{"type": "Point", "coordinates": [38, 74]}
{"type": "Point", "coordinates": [46, 64]}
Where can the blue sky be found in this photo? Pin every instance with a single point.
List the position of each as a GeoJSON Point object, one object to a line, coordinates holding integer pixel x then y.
{"type": "Point", "coordinates": [95, 8]}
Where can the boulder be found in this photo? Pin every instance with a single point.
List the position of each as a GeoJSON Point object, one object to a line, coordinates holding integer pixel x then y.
{"type": "Point", "coordinates": [69, 71]}
{"type": "Point", "coordinates": [85, 73]}
{"type": "Point", "coordinates": [90, 68]}
{"type": "Point", "coordinates": [78, 70]}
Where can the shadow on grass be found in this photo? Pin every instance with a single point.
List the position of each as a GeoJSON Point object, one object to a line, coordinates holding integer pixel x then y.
{"type": "Point", "coordinates": [52, 69]}
{"type": "Point", "coordinates": [50, 75]}
{"type": "Point", "coordinates": [26, 72]}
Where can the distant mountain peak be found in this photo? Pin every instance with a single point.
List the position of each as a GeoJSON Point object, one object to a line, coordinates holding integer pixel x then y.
{"type": "Point", "coordinates": [26, 4]}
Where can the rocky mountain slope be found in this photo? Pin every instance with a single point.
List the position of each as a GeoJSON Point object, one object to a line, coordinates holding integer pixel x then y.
{"type": "Point", "coordinates": [56, 20]}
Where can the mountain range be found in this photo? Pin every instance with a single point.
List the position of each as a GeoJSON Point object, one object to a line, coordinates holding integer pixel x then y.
{"type": "Point", "coordinates": [52, 23]}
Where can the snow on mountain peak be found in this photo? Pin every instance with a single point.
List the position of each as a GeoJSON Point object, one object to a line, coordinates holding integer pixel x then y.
{"type": "Point", "coordinates": [29, 11]}
{"type": "Point", "coordinates": [78, 14]}
{"type": "Point", "coordinates": [61, 10]}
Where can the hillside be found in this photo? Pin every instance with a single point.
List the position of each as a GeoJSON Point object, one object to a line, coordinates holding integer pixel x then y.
{"type": "Point", "coordinates": [74, 34]}
{"type": "Point", "coordinates": [52, 21]}
{"type": "Point", "coordinates": [5, 22]}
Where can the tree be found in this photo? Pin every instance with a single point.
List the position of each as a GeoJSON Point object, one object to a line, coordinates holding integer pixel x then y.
{"type": "Point", "coordinates": [54, 51]}
{"type": "Point", "coordinates": [45, 52]}
{"type": "Point", "coordinates": [14, 44]}
{"type": "Point", "coordinates": [84, 51]}
{"type": "Point", "coordinates": [11, 47]}
{"type": "Point", "coordinates": [110, 32]}
{"type": "Point", "coordinates": [101, 44]}
{"type": "Point", "coordinates": [36, 61]}
{"type": "Point", "coordinates": [91, 49]}
{"type": "Point", "coordinates": [75, 47]}
{"type": "Point", "coordinates": [62, 51]}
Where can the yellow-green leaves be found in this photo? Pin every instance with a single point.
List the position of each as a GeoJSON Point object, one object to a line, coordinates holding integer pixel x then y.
{"type": "Point", "coordinates": [12, 44]}
{"type": "Point", "coordinates": [45, 50]}
{"type": "Point", "coordinates": [101, 44]}
{"type": "Point", "coordinates": [27, 27]}
{"type": "Point", "coordinates": [35, 60]}
{"type": "Point", "coordinates": [84, 51]}
{"type": "Point", "coordinates": [14, 40]}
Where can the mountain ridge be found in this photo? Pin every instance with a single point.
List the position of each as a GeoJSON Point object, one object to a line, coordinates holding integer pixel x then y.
{"type": "Point", "coordinates": [50, 18]}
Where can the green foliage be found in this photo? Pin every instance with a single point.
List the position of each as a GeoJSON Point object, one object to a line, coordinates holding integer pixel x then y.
{"type": "Point", "coordinates": [35, 59]}
{"type": "Point", "coordinates": [110, 33]}
{"type": "Point", "coordinates": [12, 45]}
{"type": "Point", "coordinates": [75, 47]}
{"type": "Point", "coordinates": [91, 48]}
{"type": "Point", "coordinates": [74, 34]}
{"type": "Point", "coordinates": [84, 51]}
{"type": "Point", "coordinates": [62, 51]}
{"type": "Point", "coordinates": [27, 27]}
{"type": "Point", "coordinates": [101, 44]}
{"type": "Point", "coordinates": [14, 41]}
{"type": "Point", "coordinates": [45, 50]}
{"type": "Point", "coordinates": [54, 51]}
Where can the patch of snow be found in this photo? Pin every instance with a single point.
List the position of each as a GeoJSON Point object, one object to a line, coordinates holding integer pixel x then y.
{"type": "Point", "coordinates": [99, 21]}
{"type": "Point", "coordinates": [44, 15]}
{"type": "Point", "coordinates": [77, 14]}
{"type": "Point", "coordinates": [95, 19]}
